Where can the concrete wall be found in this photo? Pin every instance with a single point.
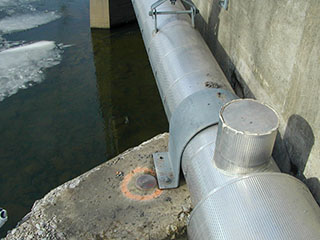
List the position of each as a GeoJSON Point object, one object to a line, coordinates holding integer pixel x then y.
{"type": "Point", "coordinates": [270, 50]}
{"type": "Point", "coordinates": [110, 13]}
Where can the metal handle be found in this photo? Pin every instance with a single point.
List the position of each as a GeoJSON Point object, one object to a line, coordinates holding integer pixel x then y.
{"type": "Point", "coordinates": [192, 11]}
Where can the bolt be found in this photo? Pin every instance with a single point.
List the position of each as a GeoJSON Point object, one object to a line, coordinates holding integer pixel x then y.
{"type": "Point", "coordinates": [146, 182]}
{"type": "Point", "coordinates": [167, 180]}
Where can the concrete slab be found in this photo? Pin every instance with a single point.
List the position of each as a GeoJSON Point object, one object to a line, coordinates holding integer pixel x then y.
{"type": "Point", "coordinates": [105, 203]}
{"type": "Point", "coordinates": [99, 14]}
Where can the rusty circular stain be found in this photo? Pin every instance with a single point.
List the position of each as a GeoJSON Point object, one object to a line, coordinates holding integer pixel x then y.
{"type": "Point", "coordinates": [146, 182]}
{"type": "Point", "coordinates": [127, 193]}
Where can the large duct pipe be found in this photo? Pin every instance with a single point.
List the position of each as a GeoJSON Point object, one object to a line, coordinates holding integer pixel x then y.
{"type": "Point", "coordinates": [249, 201]}
{"type": "Point", "coordinates": [180, 59]}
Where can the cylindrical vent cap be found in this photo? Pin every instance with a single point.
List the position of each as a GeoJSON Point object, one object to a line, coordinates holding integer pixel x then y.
{"type": "Point", "coordinates": [246, 135]}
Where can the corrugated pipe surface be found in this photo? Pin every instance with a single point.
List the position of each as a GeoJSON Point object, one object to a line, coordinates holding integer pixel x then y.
{"type": "Point", "coordinates": [223, 144]}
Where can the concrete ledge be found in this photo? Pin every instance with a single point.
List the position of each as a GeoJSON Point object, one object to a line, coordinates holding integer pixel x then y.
{"type": "Point", "coordinates": [95, 206]}
{"type": "Point", "coordinates": [110, 13]}
{"type": "Point", "coordinates": [99, 14]}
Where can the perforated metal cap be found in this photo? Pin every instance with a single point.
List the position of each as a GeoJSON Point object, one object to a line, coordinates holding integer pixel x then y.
{"type": "Point", "coordinates": [246, 135]}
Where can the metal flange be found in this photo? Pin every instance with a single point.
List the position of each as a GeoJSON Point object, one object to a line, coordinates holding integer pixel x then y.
{"type": "Point", "coordinates": [195, 113]}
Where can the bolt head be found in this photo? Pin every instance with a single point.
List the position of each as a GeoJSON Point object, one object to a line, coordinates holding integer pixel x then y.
{"type": "Point", "coordinates": [146, 182]}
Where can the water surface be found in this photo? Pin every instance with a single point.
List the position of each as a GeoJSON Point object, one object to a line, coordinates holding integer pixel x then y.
{"type": "Point", "coordinates": [97, 101]}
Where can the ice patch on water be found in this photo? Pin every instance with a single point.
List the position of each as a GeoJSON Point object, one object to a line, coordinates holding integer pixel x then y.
{"type": "Point", "coordinates": [6, 3]}
{"type": "Point", "coordinates": [26, 21]}
{"type": "Point", "coordinates": [21, 67]}
{"type": "Point", "coordinates": [9, 3]}
{"type": "Point", "coordinates": [62, 46]}
{"type": "Point", "coordinates": [21, 64]}
{"type": "Point", "coordinates": [4, 44]}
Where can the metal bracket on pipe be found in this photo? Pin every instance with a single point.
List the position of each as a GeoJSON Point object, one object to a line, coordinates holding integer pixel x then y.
{"type": "Point", "coordinates": [192, 11]}
{"type": "Point", "coordinates": [224, 4]}
{"type": "Point", "coordinates": [195, 113]}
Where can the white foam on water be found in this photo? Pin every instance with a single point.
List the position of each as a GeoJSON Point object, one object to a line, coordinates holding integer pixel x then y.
{"type": "Point", "coordinates": [21, 67]}
{"type": "Point", "coordinates": [26, 21]}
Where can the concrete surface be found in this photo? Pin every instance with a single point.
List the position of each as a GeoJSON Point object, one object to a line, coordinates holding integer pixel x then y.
{"type": "Point", "coordinates": [110, 13]}
{"type": "Point", "coordinates": [270, 50]}
{"type": "Point", "coordinates": [99, 14]}
{"type": "Point", "coordinates": [96, 206]}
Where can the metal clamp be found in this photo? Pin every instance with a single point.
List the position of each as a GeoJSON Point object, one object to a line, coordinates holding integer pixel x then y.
{"type": "Point", "coordinates": [192, 11]}
{"type": "Point", "coordinates": [3, 217]}
{"type": "Point", "coordinates": [195, 113]}
{"type": "Point", "coordinates": [224, 4]}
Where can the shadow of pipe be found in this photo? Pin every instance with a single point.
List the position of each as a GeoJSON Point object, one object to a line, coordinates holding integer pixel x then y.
{"type": "Point", "coordinates": [299, 140]}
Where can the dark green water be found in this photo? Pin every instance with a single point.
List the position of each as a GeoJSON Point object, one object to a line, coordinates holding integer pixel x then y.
{"type": "Point", "coordinates": [100, 100]}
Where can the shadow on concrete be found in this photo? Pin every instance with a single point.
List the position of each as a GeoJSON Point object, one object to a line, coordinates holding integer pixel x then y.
{"type": "Point", "coordinates": [210, 30]}
{"type": "Point", "coordinates": [299, 140]}
{"type": "Point", "coordinates": [291, 152]}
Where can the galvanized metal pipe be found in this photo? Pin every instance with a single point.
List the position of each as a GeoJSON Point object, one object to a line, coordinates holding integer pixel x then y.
{"type": "Point", "coordinates": [262, 204]}
{"type": "Point", "coordinates": [180, 59]}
